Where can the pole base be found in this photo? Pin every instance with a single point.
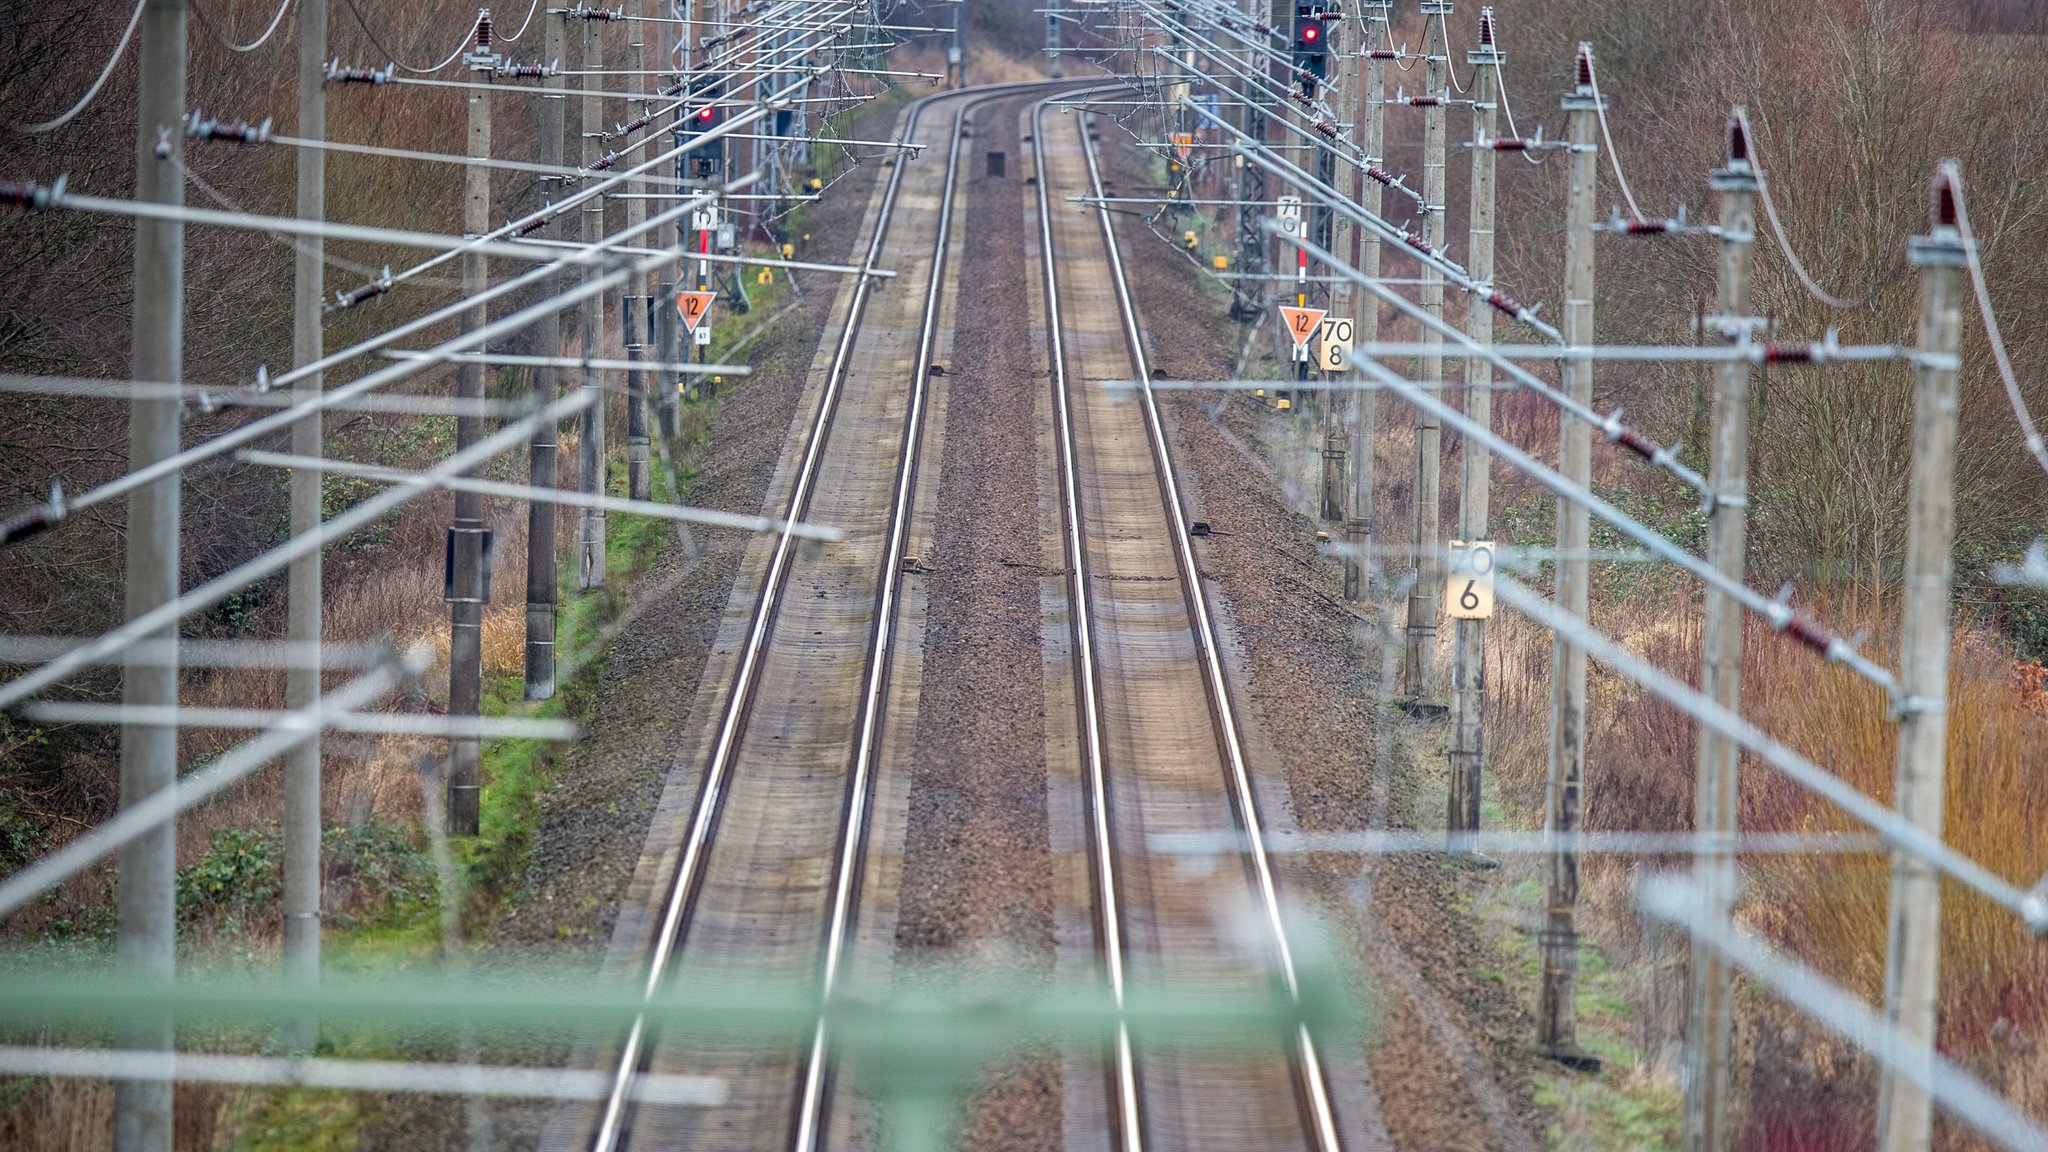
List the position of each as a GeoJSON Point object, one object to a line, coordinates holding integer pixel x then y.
{"type": "Point", "coordinates": [1575, 1058]}
{"type": "Point", "coordinates": [1423, 709]}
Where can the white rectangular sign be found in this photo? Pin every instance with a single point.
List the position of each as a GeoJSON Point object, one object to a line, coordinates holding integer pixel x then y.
{"type": "Point", "coordinates": [1290, 215]}
{"type": "Point", "coordinates": [1333, 344]}
{"type": "Point", "coordinates": [1468, 592]}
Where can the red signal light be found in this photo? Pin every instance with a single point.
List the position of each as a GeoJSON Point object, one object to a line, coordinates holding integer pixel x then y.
{"type": "Point", "coordinates": [1310, 32]}
{"type": "Point", "coordinates": [707, 113]}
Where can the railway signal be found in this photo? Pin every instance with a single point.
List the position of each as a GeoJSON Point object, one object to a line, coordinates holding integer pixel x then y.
{"type": "Point", "coordinates": [708, 155]}
{"type": "Point", "coordinates": [1312, 45]}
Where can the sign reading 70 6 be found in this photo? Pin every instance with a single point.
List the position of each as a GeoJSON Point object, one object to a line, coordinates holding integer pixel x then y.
{"type": "Point", "coordinates": [1468, 591]}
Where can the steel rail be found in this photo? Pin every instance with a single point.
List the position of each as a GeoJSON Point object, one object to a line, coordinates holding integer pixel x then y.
{"type": "Point", "coordinates": [683, 882]}
{"type": "Point", "coordinates": [812, 1110]}
{"type": "Point", "coordinates": [1086, 677]}
{"type": "Point", "coordinates": [1322, 1121]}
{"type": "Point", "coordinates": [686, 879]}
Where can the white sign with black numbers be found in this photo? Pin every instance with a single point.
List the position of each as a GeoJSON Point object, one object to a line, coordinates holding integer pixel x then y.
{"type": "Point", "coordinates": [1468, 592]}
{"type": "Point", "coordinates": [1290, 215]}
{"type": "Point", "coordinates": [1333, 344]}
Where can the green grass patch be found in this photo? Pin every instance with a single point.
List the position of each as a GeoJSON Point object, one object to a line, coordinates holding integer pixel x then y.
{"type": "Point", "coordinates": [1609, 1113]}
{"type": "Point", "coordinates": [1619, 1109]}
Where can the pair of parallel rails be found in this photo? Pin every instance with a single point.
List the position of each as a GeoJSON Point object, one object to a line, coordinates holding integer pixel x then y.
{"type": "Point", "coordinates": [681, 888]}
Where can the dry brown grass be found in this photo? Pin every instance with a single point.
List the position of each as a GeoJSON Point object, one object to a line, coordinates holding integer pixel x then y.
{"type": "Point", "coordinates": [1829, 911]}
{"type": "Point", "coordinates": [66, 1115]}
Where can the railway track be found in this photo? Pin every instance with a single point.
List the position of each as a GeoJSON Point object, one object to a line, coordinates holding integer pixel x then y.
{"type": "Point", "coordinates": [1161, 744]}
{"type": "Point", "coordinates": [792, 764]}
{"type": "Point", "coordinates": [767, 880]}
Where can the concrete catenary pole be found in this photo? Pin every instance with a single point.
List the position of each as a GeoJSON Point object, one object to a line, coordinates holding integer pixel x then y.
{"type": "Point", "coordinates": [1708, 1121]}
{"type": "Point", "coordinates": [302, 627]}
{"type": "Point", "coordinates": [590, 455]}
{"type": "Point", "coordinates": [667, 403]}
{"type": "Point", "coordinates": [636, 212]}
{"type": "Point", "coordinates": [1358, 526]}
{"type": "Point", "coordinates": [1052, 40]}
{"type": "Point", "coordinates": [956, 48]}
{"type": "Point", "coordinates": [146, 913]}
{"type": "Point", "coordinates": [1248, 291]}
{"type": "Point", "coordinates": [542, 461]}
{"type": "Point", "coordinates": [1468, 643]}
{"type": "Point", "coordinates": [1343, 241]}
{"type": "Point", "coordinates": [1913, 951]}
{"type": "Point", "coordinates": [467, 583]}
{"type": "Point", "coordinates": [1557, 1024]}
{"type": "Point", "coordinates": [1419, 649]}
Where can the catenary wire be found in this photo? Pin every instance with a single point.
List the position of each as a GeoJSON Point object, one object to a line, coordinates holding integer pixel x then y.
{"type": "Point", "coordinates": [71, 113]}
{"type": "Point", "coordinates": [364, 22]}
{"type": "Point", "coordinates": [276, 20]}
{"type": "Point", "coordinates": [2012, 385]}
{"type": "Point", "coordinates": [1613, 157]}
{"type": "Point", "coordinates": [1778, 229]}
{"type": "Point", "coordinates": [530, 10]}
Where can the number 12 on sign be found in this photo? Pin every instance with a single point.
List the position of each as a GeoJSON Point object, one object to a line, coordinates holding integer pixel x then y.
{"type": "Point", "coordinates": [1468, 591]}
{"type": "Point", "coordinates": [1302, 323]}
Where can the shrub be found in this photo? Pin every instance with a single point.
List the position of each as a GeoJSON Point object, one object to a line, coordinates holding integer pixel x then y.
{"type": "Point", "coordinates": [241, 873]}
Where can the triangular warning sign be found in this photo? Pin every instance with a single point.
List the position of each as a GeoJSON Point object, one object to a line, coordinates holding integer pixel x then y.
{"type": "Point", "coordinates": [692, 307]}
{"type": "Point", "coordinates": [1302, 322]}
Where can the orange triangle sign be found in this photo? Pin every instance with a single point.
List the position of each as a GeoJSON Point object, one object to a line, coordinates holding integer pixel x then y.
{"type": "Point", "coordinates": [693, 306]}
{"type": "Point", "coordinates": [1302, 322]}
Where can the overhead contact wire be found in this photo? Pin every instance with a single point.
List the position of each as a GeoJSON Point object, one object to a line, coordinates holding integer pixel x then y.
{"type": "Point", "coordinates": [114, 58]}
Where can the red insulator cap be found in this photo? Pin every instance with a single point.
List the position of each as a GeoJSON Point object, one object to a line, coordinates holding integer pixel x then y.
{"type": "Point", "coordinates": [1738, 138]}
{"type": "Point", "coordinates": [1809, 632]}
{"type": "Point", "coordinates": [1944, 212]}
{"type": "Point", "coordinates": [1637, 443]}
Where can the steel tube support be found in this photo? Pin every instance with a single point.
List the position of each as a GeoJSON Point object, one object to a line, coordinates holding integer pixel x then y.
{"type": "Point", "coordinates": [666, 350]}
{"type": "Point", "coordinates": [1418, 657]}
{"type": "Point", "coordinates": [633, 324]}
{"type": "Point", "coordinates": [1912, 988]}
{"type": "Point", "coordinates": [466, 580]}
{"type": "Point", "coordinates": [1557, 1026]}
{"type": "Point", "coordinates": [1468, 643]}
{"type": "Point", "coordinates": [302, 679]}
{"type": "Point", "coordinates": [1708, 1122]}
{"type": "Point", "coordinates": [146, 915]}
